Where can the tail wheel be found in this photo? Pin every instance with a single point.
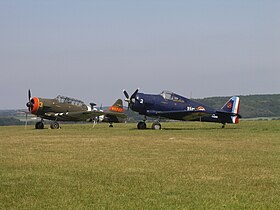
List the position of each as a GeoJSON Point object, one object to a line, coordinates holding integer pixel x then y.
{"type": "Point", "coordinates": [156, 126]}
{"type": "Point", "coordinates": [39, 125]}
{"type": "Point", "coordinates": [141, 125]}
{"type": "Point", "coordinates": [54, 125]}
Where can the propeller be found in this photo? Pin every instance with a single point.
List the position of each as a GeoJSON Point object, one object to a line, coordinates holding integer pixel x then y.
{"type": "Point", "coordinates": [29, 104]}
{"type": "Point", "coordinates": [130, 100]}
{"type": "Point", "coordinates": [126, 95]}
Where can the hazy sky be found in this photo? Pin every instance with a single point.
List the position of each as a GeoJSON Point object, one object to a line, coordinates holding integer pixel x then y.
{"type": "Point", "coordinates": [92, 50]}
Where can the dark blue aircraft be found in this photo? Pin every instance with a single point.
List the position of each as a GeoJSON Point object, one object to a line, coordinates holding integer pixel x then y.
{"type": "Point", "coordinates": [173, 106]}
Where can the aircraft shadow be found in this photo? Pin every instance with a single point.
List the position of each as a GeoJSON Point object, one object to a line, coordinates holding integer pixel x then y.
{"type": "Point", "coordinates": [191, 129]}
{"type": "Point", "coordinates": [187, 129]}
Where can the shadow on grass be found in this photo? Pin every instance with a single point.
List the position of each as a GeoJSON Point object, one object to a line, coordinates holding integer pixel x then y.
{"type": "Point", "coordinates": [188, 128]}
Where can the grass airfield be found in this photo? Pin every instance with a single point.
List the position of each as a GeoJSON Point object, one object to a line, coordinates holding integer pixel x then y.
{"type": "Point", "coordinates": [187, 165]}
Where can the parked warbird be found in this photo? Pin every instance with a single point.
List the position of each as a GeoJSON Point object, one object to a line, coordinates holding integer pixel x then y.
{"type": "Point", "coordinates": [173, 106]}
{"type": "Point", "coordinates": [64, 108]}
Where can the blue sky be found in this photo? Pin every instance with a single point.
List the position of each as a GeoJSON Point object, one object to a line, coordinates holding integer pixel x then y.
{"type": "Point", "coordinates": [92, 50]}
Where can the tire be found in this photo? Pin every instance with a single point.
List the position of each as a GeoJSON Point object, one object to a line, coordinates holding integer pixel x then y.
{"type": "Point", "coordinates": [141, 125]}
{"type": "Point", "coordinates": [39, 125]}
{"type": "Point", "coordinates": [54, 125]}
{"type": "Point", "coordinates": [156, 126]}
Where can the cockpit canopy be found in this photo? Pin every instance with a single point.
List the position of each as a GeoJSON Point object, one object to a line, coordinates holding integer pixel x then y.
{"type": "Point", "coordinates": [68, 100]}
{"type": "Point", "coordinates": [168, 95]}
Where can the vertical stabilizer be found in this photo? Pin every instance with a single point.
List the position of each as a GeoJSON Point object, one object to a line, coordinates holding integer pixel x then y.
{"type": "Point", "coordinates": [117, 106]}
{"type": "Point", "coordinates": [232, 106]}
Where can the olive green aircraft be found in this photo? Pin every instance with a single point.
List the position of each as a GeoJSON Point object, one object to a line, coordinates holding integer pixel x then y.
{"type": "Point", "coordinates": [64, 108]}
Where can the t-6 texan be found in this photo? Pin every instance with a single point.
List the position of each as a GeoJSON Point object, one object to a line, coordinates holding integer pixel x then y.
{"type": "Point", "coordinates": [64, 108]}
{"type": "Point", "coordinates": [176, 107]}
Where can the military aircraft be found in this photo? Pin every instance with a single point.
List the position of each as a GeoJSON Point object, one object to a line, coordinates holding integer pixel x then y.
{"type": "Point", "coordinates": [173, 106]}
{"type": "Point", "coordinates": [64, 108]}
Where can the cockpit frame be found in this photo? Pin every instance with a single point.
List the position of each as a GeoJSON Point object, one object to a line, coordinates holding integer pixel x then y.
{"type": "Point", "coordinates": [68, 100]}
{"type": "Point", "coordinates": [168, 95]}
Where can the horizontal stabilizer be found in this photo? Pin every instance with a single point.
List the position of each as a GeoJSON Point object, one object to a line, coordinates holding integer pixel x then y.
{"type": "Point", "coordinates": [229, 114]}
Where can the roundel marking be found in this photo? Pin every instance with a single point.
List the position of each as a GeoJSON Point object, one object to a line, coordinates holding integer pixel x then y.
{"type": "Point", "coordinates": [200, 108]}
{"type": "Point", "coordinates": [229, 105]}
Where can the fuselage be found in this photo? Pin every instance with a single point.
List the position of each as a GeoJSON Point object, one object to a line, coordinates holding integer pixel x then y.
{"type": "Point", "coordinates": [64, 108]}
{"type": "Point", "coordinates": [57, 108]}
{"type": "Point", "coordinates": [173, 106]}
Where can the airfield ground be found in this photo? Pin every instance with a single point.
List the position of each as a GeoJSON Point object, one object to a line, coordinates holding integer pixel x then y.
{"type": "Point", "coordinates": [183, 166]}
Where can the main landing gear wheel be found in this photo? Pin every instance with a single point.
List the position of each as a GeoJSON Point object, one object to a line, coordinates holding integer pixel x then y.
{"type": "Point", "coordinates": [141, 125]}
{"type": "Point", "coordinates": [54, 125]}
{"type": "Point", "coordinates": [156, 126]}
{"type": "Point", "coordinates": [223, 125]}
{"type": "Point", "coordinates": [39, 125]}
{"type": "Point", "coordinates": [111, 126]}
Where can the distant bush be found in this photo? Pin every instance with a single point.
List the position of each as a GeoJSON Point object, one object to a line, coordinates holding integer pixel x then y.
{"type": "Point", "coordinates": [10, 121]}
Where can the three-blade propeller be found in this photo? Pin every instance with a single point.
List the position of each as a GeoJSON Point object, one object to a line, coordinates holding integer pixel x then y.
{"type": "Point", "coordinates": [29, 104]}
{"type": "Point", "coordinates": [130, 100]}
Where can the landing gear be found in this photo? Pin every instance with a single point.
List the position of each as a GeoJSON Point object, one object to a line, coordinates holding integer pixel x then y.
{"type": "Point", "coordinates": [39, 125]}
{"type": "Point", "coordinates": [111, 125]}
{"type": "Point", "coordinates": [141, 125]}
{"type": "Point", "coordinates": [55, 125]}
{"type": "Point", "coordinates": [156, 126]}
{"type": "Point", "coordinates": [223, 126]}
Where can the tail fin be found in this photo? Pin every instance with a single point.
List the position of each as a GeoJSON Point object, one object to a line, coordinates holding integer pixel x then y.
{"type": "Point", "coordinates": [117, 106]}
{"type": "Point", "coordinates": [232, 107]}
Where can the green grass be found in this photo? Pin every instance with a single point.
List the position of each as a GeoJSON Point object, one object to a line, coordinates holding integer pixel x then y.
{"type": "Point", "coordinates": [183, 166]}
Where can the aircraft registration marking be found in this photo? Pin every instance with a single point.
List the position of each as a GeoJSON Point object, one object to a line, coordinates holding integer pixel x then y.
{"type": "Point", "coordinates": [189, 108]}
{"type": "Point", "coordinates": [200, 108]}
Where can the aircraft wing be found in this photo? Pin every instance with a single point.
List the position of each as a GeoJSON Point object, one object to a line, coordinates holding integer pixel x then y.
{"type": "Point", "coordinates": [180, 114]}
{"type": "Point", "coordinates": [74, 116]}
{"type": "Point", "coordinates": [113, 117]}
{"type": "Point", "coordinates": [117, 114]}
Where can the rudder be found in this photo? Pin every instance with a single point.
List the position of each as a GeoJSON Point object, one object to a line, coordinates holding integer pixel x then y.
{"type": "Point", "coordinates": [232, 106]}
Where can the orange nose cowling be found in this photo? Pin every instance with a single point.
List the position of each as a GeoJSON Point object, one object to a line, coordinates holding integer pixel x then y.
{"type": "Point", "coordinates": [35, 105]}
